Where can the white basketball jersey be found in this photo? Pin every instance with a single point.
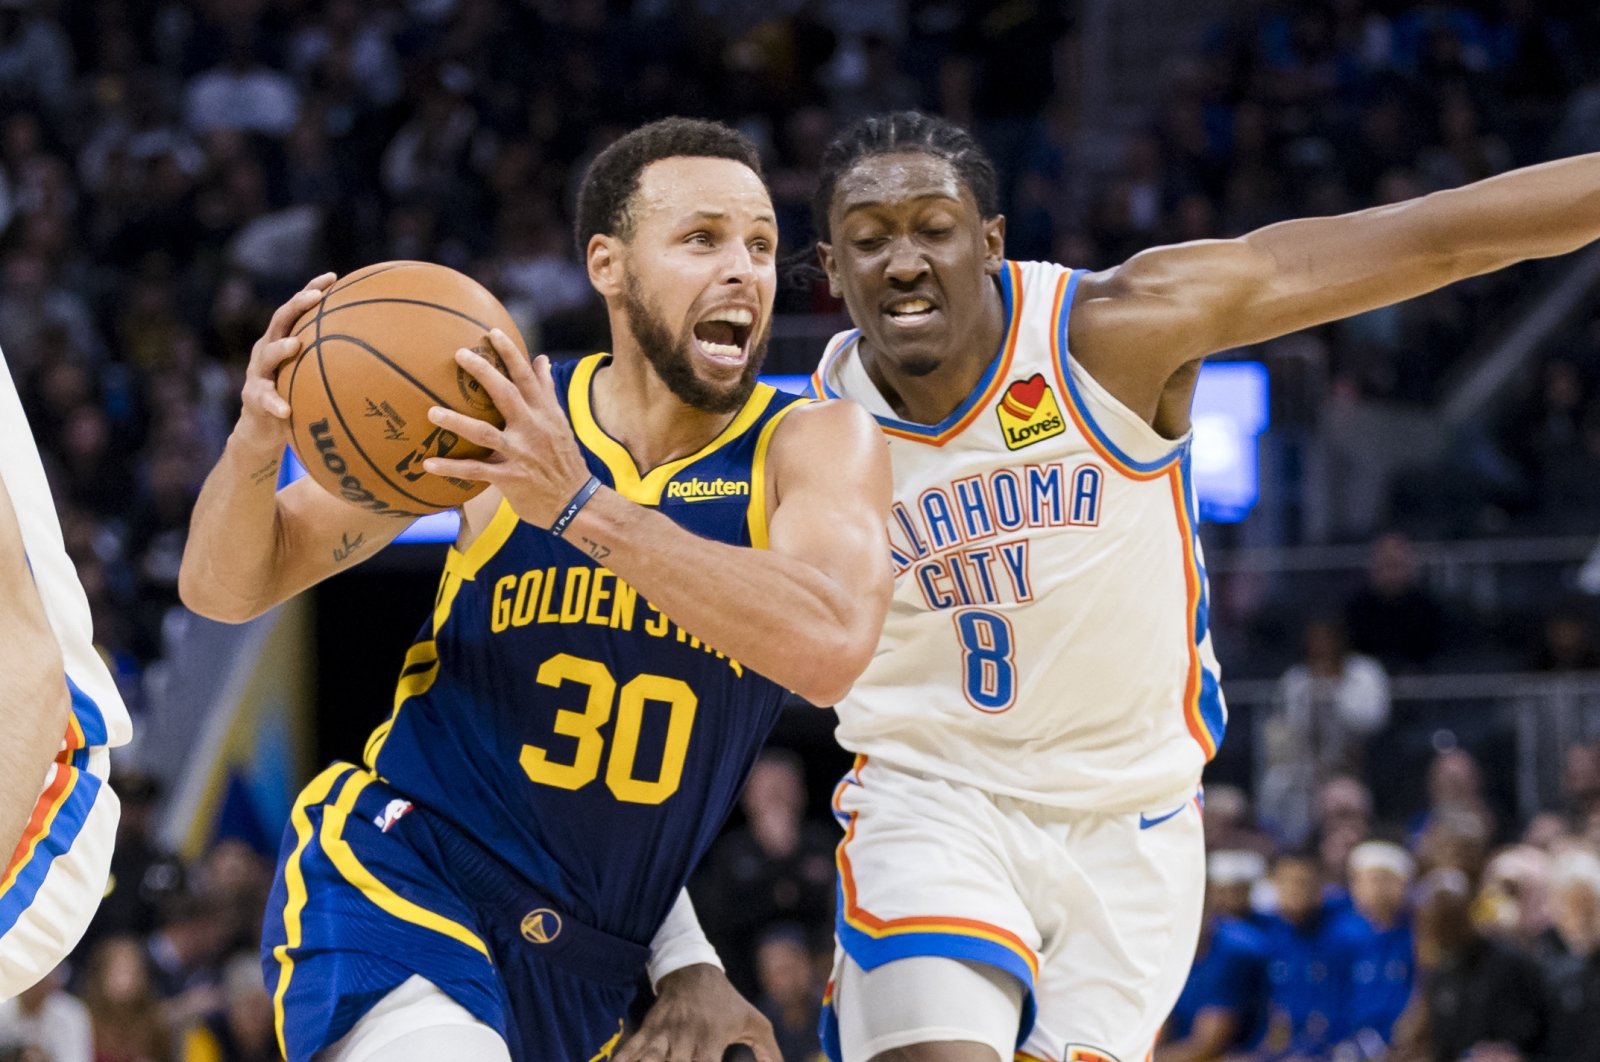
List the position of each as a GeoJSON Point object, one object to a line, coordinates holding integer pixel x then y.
{"type": "Point", "coordinates": [98, 710]}
{"type": "Point", "coordinates": [1048, 634]}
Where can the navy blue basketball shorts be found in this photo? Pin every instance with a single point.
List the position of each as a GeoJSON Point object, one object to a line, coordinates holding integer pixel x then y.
{"type": "Point", "coordinates": [371, 890]}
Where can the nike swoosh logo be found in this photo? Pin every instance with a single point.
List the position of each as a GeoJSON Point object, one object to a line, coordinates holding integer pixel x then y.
{"type": "Point", "coordinates": [1146, 822]}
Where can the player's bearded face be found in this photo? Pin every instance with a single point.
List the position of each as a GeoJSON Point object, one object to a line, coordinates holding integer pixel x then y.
{"type": "Point", "coordinates": [669, 353]}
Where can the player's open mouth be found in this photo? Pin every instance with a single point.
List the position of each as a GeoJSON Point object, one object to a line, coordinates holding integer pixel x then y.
{"type": "Point", "coordinates": [910, 311]}
{"type": "Point", "coordinates": [723, 335]}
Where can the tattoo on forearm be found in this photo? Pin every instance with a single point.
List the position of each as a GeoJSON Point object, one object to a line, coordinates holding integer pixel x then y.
{"type": "Point", "coordinates": [595, 550]}
{"type": "Point", "coordinates": [265, 472]}
{"type": "Point", "coordinates": [341, 553]}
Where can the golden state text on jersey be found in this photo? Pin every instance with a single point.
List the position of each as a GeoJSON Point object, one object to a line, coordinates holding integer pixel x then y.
{"type": "Point", "coordinates": [554, 713]}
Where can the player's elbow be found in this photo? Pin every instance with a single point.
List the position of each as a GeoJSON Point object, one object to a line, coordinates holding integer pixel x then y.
{"type": "Point", "coordinates": [201, 595]}
{"type": "Point", "coordinates": [830, 669]}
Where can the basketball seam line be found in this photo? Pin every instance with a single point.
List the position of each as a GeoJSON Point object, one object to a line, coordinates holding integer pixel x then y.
{"type": "Point", "coordinates": [381, 356]}
{"type": "Point", "coordinates": [326, 311]}
{"type": "Point", "coordinates": [333, 404]}
{"type": "Point", "coordinates": [349, 282]}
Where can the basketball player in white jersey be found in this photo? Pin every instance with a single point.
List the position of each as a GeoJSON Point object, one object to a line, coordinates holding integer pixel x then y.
{"type": "Point", "coordinates": [1022, 868]}
{"type": "Point", "coordinates": [59, 714]}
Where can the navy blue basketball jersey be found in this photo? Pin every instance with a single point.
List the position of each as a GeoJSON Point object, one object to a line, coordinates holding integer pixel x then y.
{"type": "Point", "coordinates": [553, 713]}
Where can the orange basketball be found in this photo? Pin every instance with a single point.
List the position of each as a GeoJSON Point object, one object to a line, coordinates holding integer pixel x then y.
{"type": "Point", "coordinates": [379, 350]}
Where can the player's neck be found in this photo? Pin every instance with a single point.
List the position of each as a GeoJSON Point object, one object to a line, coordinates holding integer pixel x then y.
{"type": "Point", "coordinates": [930, 398]}
{"type": "Point", "coordinates": [633, 406]}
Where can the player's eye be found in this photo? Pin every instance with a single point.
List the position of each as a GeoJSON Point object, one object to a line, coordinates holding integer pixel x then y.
{"type": "Point", "coordinates": [700, 239]}
{"type": "Point", "coordinates": [868, 243]}
{"type": "Point", "coordinates": [761, 246]}
{"type": "Point", "coordinates": [937, 233]}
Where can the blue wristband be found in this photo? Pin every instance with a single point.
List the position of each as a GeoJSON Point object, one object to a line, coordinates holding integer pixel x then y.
{"type": "Point", "coordinates": [579, 500]}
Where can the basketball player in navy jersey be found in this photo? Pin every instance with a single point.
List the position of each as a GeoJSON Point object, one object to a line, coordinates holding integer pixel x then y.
{"type": "Point", "coordinates": [1022, 869]}
{"type": "Point", "coordinates": [666, 546]}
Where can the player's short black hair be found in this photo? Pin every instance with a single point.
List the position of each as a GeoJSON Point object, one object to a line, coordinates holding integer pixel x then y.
{"type": "Point", "coordinates": [613, 177]}
{"type": "Point", "coordinates": [889, 134]}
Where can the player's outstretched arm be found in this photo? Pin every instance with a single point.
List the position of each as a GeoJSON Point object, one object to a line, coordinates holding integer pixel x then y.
{"type": "Point", "coordinates": [33, 694]}
{"type": "Point", "coordinates": [805, 612]}
{"type": "Point", "coordinates": [252, 546]}
{"type": "Point", "coordinates": [1179, 303]}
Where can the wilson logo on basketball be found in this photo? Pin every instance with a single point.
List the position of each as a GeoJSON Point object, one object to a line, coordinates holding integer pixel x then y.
{"type": "Point", "coordinates": [1028, 413]}
{"type": "Point", "coordinates": [350, 487]}
{"type": "Point", "coordinates": [707, 489]}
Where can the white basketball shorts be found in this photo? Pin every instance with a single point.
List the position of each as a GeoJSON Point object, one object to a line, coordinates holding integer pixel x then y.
{"type": "Point", "coordinates": [1097, 914]}
{"type": "Point", "coordinates": [57, 876]}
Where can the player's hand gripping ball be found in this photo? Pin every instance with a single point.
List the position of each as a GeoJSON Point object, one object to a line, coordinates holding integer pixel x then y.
{"type": "Point", "coordinates": [376, 352]}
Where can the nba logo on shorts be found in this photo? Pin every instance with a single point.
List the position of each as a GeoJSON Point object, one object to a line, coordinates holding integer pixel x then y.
{"type": "Point", "coordinates": [393, 813]}
{"type": "Point", "coordinates": [1028, 413]}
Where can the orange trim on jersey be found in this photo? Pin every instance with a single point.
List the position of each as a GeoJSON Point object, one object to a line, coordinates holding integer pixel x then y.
{"type": "Point", "coordinates": [1023, 1056]}
{"type": "Point", "coordinates": [45, 810]}
{"type": "Point", "coordinates": [1191, 586]}
{"type": "Point", "coordinates": [873, 926]}
{"type": "Point", "coordinates": [1068, 392]}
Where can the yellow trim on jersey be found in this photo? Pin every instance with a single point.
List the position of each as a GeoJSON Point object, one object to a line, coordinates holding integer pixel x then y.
{"type": "Point", "coordinates": [294, 881]}
{"type": "Point", "coordinates": [469, 562]}
{"type": "Point", "coordinates": [646, 489]}
{"type": "Point", "coordinates": [458, 566]}
{"type": "Point", "coordinates": [412, 683]}
{"type": "Point", "coordinates": [345, 861]}
{"type": "Point", "coordinates": [757, 518]}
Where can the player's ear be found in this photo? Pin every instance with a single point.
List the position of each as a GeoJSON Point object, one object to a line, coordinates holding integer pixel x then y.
{"type": "Point", "coordinates": [830, 267]}
{"type": "Point", "coordinates": [994, 244]}
{"type": "Point", "coordinates": [604, 259]}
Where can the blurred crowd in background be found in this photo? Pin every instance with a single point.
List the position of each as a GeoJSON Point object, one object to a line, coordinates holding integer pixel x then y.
{"type": "Point", "coordinates": [170, 172]}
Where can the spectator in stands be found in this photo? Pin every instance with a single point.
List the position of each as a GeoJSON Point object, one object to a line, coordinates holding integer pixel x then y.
{"type": "Point", "coordinates": [1307, 974]}
{"type": "Point", "coordinates": [1568, 642]}
{"type": "Point", "coordinates": [1513, 904]}
{"type": "Point", "coordinates": [778, 867]}
{"type": "Point", "coordinates": [1580, 781]}
{"type": "Point", "coordinates": [790, 995]}
{"type": "Point", "coordinates": [1455, 795]}
{"type": "Point", "coordinates": [1327, 706]}
{"type": "Point", "coordinates": [242, 1031]}
{"type": "Point", "coordinates": [48, 1020]}
{"type": "Point", "coordinates": [143, 875]}
{"type": "Point", "coordinates": [1476, 994]}
{"type": "Point", "coordinates": [184, 951]}
{"type": "Point", "coordinates": [1572, 958]}
{"type": "Point", "coordinates": [1222, 1010]}
{"type": "Point", "coordinates": [129, 1025]}
{"type": "Point", "coordinates": [1378, 945]}
{"type": "Point", "coordinates": [1229, 824]}
{"type": "Point", "coordinates": [1394, 617]}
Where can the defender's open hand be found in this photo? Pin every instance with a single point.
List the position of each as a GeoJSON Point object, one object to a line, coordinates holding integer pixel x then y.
{"type": "Point", "coordinates": [535, 462]}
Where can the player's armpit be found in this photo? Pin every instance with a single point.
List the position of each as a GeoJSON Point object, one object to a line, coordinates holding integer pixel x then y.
{"type": "Point", "coordinates": [1167, 306]}
{"type": "Point", "coordinates": [34, 703]}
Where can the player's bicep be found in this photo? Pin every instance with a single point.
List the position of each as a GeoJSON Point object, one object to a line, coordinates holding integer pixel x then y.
{"type": "Point", "coordinates": [834, 489]}
{"type": "Point", "coordinates": [320, 535]}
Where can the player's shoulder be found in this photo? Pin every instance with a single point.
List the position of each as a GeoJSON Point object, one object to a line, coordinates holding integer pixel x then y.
{"type": "Point", "coordinates": [810, 421]}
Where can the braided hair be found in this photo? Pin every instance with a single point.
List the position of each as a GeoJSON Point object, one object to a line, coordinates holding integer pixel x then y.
{"type": "Point", "coordinates": [898, 132]}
